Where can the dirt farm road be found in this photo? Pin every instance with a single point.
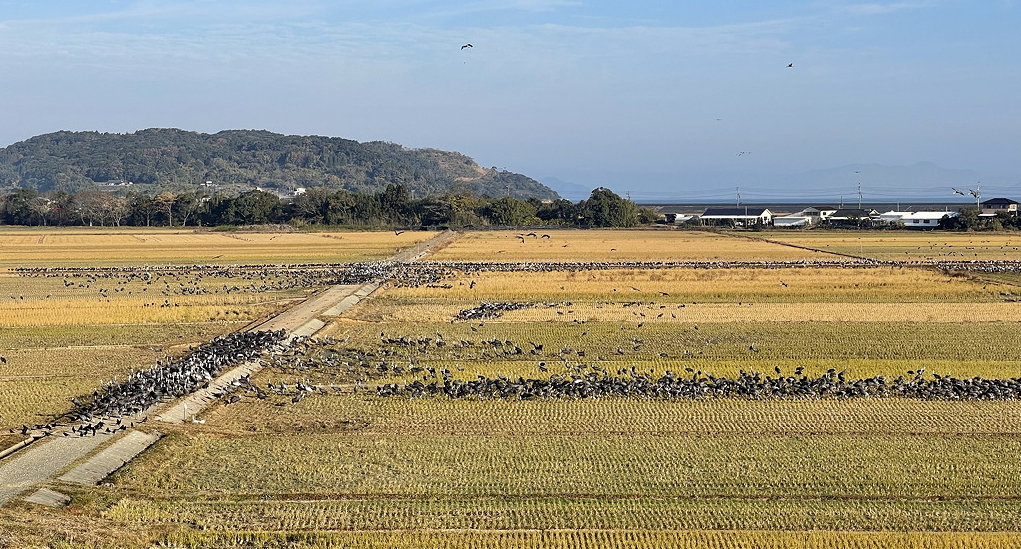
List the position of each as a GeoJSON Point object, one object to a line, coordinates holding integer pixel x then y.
{"type": "Point", "coordinates": [37, 463]}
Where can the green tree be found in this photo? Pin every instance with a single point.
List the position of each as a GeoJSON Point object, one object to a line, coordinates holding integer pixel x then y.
{"type": "Point", "coordinates": [220, 210]}
{"type": "Point", "coordinates": [340, 209]}
{"type": "Point", "coordinates": [511, 211]}
{"type": "Point", "coordinates": [24, 207]}
{"type": "Point", "coordinates": [255, 207]}
{"type": "Point", "coordinates": [61, 210]}
{"type": "Point", "coordinates": [312, 206]}
{"type": "Point", "coordinates": [557, 211]}
{"type": "Point", "coordinates": [187, 205]}
{"type": "Point", "coordinates": [648, 216]}
{"type": "Point", "coordinates": [395, 200]}
{"type": "Point", "coordinates": [967, 220]}
{"type": "Point", "coordinates": [142, 208]}
{"type": "Point", "coordinates": [604, 208]}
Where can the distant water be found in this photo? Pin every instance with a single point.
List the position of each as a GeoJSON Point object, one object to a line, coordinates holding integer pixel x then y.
{"type": "Point", "coordinates": [790, 207]}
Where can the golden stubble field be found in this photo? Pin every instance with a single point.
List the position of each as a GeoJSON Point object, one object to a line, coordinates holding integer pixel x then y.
{"type": "Point", "coordinates": [139, 246]}
{"type": "Point", "coordinates": [347, 468]}
{"type": "Point", "coordinates": [908, 245]}
{"type": "Point", "coordinates": [617, 245]}
{"type": "Point", "coordinates": [65, 333]}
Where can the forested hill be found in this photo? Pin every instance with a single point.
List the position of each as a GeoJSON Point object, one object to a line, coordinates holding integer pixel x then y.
{"type": "Point", "coordinates": [170, 158]}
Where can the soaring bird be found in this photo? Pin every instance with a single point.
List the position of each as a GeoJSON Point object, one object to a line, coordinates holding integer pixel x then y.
{"type": "Point", "coordinates": [467, 46]}
{"type": "Point", "coordinates": [789, 65]}
{"type": "Point", "coordinates": [958, 191]}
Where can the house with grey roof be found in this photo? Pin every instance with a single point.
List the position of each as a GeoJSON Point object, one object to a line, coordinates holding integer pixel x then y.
{"type": "Point", "coordinates": [995, 205]}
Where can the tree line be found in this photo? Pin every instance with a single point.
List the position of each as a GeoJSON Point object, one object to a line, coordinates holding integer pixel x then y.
{"type": "Point", "coordinates": [392, 207]}
{"type": "Point", "coordinates": [968, 219]}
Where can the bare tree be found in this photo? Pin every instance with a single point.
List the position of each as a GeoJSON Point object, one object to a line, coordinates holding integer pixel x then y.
{"type": "Point", "coordinates": [165, 205]}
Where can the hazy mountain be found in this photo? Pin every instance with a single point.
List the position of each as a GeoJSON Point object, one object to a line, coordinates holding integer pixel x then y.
{"type": "Point", "coordinates": [571, 191]}
{"type": "Point", "coordinates": [242, 159]}
{"type": "Point", "coordinates": [924, 180]}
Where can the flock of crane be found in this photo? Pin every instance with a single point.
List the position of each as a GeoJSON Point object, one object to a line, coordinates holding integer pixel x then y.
{"type": "Point", "coordinates": [179, 377]}
{"type": "Point", "coordinates": [592, 381]}
{"type": "Point", "coordinates": [105, 409]}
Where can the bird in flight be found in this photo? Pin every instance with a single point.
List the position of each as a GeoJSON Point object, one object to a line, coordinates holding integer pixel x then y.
{"type": "Point", "coordinates": [957, 191]}
{"type": "Point", "coordinates": [467, 46]}
{"type": "Point", "coordinates": [790, 65]}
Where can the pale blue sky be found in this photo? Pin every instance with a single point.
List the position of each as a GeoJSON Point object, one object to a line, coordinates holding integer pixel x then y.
{"type": "Point", "coordinates": [622, 94]}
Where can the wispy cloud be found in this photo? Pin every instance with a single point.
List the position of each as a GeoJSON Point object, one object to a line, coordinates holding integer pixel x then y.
{"type": "Point", "coordinates": [530, 5]}
{"type": "Point", "coordinates": [875, 8]}
{"type": "Point", "coordinates": [179, 12]}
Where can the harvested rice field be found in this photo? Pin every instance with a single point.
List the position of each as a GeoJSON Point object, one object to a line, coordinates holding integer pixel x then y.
{"type": "Point", "coordinates": [65, 327]}
{"type": "Point", "coordinates": [908, 245]}
{"type": "Point", "coordinates": [617, 245]}
{"type": "Point", "coordinates": [138, 246]}
{"type": "Point", "coordinates": [340, 442]}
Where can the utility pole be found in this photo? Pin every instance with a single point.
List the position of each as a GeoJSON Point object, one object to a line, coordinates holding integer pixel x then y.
{"type": "Point", "coordinates": [859, 196]}
{"type": "Point", "coordinates": [738, 189]}
{"type": "Point", "coordinates": [977, 193]}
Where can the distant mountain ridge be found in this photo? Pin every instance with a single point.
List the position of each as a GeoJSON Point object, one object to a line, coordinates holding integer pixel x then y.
{"type": "Point", "coordinates": [571, 191]}
{"type": "Point", "coordinates": [168, 157]}
{"type": "Point", "coordinates": [921, 180]}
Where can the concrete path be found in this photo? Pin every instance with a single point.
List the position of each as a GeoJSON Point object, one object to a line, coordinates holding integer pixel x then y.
{"type": "Point", "coordinates": [42, 460]}
{"type": "Point", "coordinates": [300, 314]}
{"type": "Point", "coordinates": [300, 321]}
{"type": "Point", "coordinates": [49, 498]}
{"type": "Point", "coordinates": [38, 462]}
{"type": "Point", "coordinates": [112, 457]}
{"type": "Point", "coordinates": [184, 408]}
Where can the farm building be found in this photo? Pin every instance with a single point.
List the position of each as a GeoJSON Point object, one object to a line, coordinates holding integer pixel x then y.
{"type": "Point", "coordinates": [739, 216]}
{"type": "Point", "coordinates": [678, 218]}
{"type": "Point", "coordinates": [808, 216]}
{"type": "Point", "coordinates": [892, 216]}
{"type": "Point", "coordinates": [916, 220]}
{"type": "Point", "coordinates": [792, 220]}
{"type": "Point", "coordinates": [852, 216]}
{"type": "Point", "coordinates": [994, 205]}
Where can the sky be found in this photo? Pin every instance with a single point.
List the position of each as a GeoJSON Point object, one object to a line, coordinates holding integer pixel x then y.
{"type": "Point", "coordinates": [660, 99]}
